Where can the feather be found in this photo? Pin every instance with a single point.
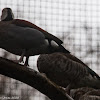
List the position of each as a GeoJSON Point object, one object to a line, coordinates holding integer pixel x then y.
{"type": "Point", "coordinates": [63, 70]}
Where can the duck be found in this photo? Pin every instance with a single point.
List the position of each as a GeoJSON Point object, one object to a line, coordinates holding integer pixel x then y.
{"type": "Point", "coordinates": [23, 38]}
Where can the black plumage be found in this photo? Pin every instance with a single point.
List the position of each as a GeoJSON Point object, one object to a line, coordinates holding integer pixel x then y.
{"type": "Point", "coordinates": [23, 38]}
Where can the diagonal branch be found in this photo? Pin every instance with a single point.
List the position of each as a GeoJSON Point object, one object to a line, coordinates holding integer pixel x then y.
{"type": "Point", "coordinates": [32, 78]}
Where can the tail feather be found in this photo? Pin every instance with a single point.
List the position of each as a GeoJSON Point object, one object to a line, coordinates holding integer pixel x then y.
{"type": "Point", "coordinates": [93, 73]}
{"type": "Point", "coordinates": [63, 50]}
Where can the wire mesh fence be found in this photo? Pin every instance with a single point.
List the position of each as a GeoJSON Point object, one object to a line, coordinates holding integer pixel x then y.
{"type": "Point", "coordinates": [76, 22]}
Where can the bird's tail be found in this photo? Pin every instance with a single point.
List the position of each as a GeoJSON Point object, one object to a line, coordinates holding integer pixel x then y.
{"type": "Point", "coordinates": [93, 73]}
{"type": "Point", "coordinates": [54, 47]}
{"type": "Point", "coordinates": [90, 82]}
{"type": "Point", "coordinates": [63, 50]}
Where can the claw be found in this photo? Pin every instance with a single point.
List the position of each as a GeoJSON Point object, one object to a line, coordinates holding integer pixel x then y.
{"type": "Point", "coordinates": [26, 62]}
{"type": "Point", "coordinates": [67, 89]}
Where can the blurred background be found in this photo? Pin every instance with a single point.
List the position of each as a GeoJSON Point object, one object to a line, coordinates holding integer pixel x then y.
{"type": "Point", "coordinates": [76, 22]}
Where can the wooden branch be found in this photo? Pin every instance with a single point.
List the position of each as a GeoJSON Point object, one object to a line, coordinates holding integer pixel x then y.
{"type": "Point", "coordinates": [32, 78]}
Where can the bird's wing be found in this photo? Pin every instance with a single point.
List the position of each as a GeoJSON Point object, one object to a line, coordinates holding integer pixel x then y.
{"type": "Point", "coordinates": [63, 71]}
{"type": "Point", "coordinates": [24, 23]}
{"type": "Point", "coordinates": [68, 55]}
{"type": "Point", "coordinates": [24, 37]}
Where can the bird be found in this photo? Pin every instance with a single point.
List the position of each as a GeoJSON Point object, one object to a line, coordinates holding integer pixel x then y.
{"type": "Point", "coordinates": [67, 71]}
{"type": "Point", "coordinates": [91, 95]}
{"type": "Point", "coordinates": [25, 39]}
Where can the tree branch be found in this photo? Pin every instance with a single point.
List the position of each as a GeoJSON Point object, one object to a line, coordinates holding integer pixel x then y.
{"type": "Point", "coordinates": [32, 78]}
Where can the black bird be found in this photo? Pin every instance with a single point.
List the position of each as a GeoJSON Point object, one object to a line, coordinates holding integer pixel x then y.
{"type": "Point", "coordinates": [23, 38]}
{"type": "Point", "coordinates": [67, 71]}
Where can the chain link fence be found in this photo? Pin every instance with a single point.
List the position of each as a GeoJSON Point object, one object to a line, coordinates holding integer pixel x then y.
{"type": "Point", "coordinates": [76, 22]}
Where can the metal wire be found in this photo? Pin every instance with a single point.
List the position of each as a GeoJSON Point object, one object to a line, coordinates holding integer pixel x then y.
{"type": "Point", "coordinates": [76, 22]}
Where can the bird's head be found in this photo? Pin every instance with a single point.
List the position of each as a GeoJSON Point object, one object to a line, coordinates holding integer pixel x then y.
{"type": "Point", "coordinates": [7, 14]}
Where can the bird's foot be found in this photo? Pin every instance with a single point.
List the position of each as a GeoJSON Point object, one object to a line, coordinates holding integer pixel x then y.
{"type": "Point", "coordinates": [67, 89]}
{"type": "Point", "coordinates": [21, 59]}
{"type": "Point", "coordinates": [26, 62]}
